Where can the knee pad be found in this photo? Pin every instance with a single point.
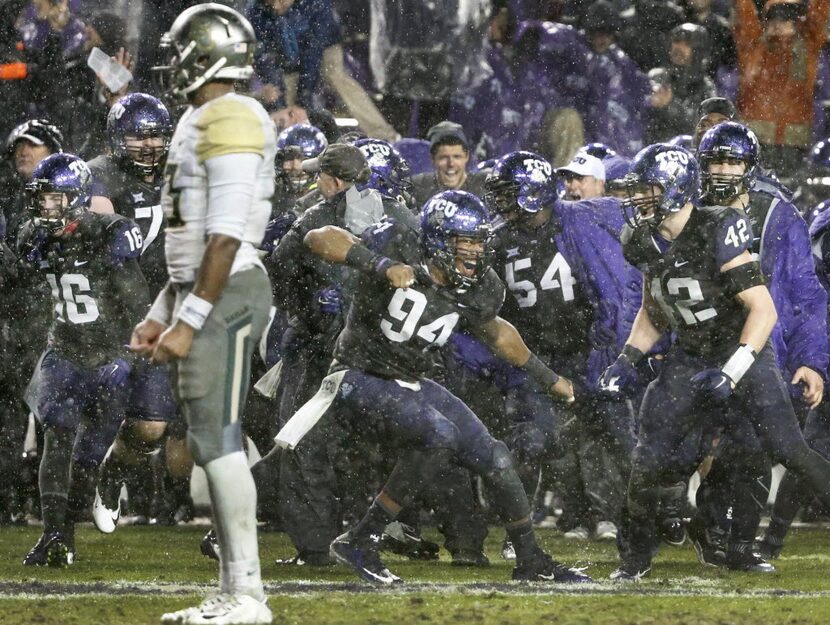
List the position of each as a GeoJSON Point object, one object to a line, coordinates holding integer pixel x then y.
{"type": "Point", "coordinates": [502, 459]}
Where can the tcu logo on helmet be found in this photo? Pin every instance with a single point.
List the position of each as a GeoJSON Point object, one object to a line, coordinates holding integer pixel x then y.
{"type": "Point", "coordinates": [443, 206]}
{"type": "Point", "coordinates": [539, 170]}
{"type": "Point", "coordinates": [118, 110]}
{"type": "Point", "coordinates": [80, 169]}
{"type": "Point", "coordinates": [672, 162]}
{"type": "Point", "coordinates": [370, 149]}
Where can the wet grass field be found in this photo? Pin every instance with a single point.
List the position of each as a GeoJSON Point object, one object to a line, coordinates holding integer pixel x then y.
{"type": "Point", "coordinates": [136, 574]}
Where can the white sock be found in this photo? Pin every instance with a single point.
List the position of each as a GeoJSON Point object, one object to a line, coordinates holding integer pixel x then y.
{"type": "Point", "coordinates": [233, 497]}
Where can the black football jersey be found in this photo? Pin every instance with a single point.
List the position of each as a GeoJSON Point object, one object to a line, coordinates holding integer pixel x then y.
{"type": "Point", "coordinates": [140, 202]}
{"type": "Point", "coordinates": [395, 333]}
{"type": "Point", "coordinates": [548, 305]}
{"type": "Point", "coordinates": [685, 280]}
{"type": "Point", "coordinates": [98, 290]}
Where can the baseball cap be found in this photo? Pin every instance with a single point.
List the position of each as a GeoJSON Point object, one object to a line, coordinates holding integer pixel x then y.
{"type": "Point", "coordinates": [340, 161]}
{"type": "Point", "coordinates": [583, 164]}
{"type": "Point", "coordinates": [37, 132]}
{"type": "Point", "coordinates": [444, 130]}
{"type": "Point", "coordinates": [717, 105]}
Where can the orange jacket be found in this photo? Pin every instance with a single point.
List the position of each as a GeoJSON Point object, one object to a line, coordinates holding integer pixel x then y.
{"type": "Point", "coordinates": [775, 91]}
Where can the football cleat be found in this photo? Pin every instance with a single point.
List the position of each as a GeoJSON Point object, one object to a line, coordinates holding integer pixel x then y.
{"type": "Point", "coordinates": [507, 550]}
{"type": "Point", "coordinates": [672, 531]}
{"type": "Point", "coordinates": [363, 557]}
{"type": "Point", "coordinates": [308, 558]}
{"type": "Point", "coordinates": [52, 549]}
{"type": "Point", "coordinates": [407, 541]}
{"type": "Point", "coordinates": [223, 609]}
{"type": "Point", "coordinates": [741, 556]}
{"type": "Point", "coordinates": [469, 557]}
{"type": "Point", "coordinates": [768, 546]}
{"type": "Point", "coordinates": [605, 530]}
{"type": "Point", "coordinates": [577, 533]}
{"type": "Point", "coordinates": [709, 543]}
{"type": "Point", "coordinates": [542, 568]}
{"type": "Point", "coordinates": [209, 546]}
{"type": "Point", "coordinates": [105, 509]}
{"type": "Point", "coordinates": [630, 572]}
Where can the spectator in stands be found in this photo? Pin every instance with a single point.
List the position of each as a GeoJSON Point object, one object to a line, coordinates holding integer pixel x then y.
{"type": "Point", "coordinates": [646, 37]}
{"type": "Point", "coordinates": [711, 112]}
{"type": "Point", "coordinates": [299, 43]}
{"type": "Point", "coordinates": [680, 87]}
{"type": "Point", "coordinates": [450, 155]}
{"type": "Point", "coordinates": [720, 33]}
{"type": "Point", "coordinates": [778, 57]}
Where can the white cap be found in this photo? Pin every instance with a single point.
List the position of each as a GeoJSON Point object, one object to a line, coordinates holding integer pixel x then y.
{"type": "Point", "coordinates": [584, 165]}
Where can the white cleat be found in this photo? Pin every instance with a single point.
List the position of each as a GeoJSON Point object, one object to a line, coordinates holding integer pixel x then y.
{"type": "Point", "coordinates": [106, 519]}
{"type": "Point", "coordinates": [223, 609]}
{"type": "Point", "coordinates": [605, 530]}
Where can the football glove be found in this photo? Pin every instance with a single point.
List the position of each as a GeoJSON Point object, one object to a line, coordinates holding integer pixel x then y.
{"type": "Point", "coordinates": [620, 380]}
{"type": "Point", "coordinates": [713, 384]}
{"type": "Point", "coordinates": [115, 373]}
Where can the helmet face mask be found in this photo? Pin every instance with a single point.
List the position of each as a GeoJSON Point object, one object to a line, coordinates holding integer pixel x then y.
{"type": "Point", "coordinates": [643, 204]}
{"type": "Point", "coordinates": [295, 144]}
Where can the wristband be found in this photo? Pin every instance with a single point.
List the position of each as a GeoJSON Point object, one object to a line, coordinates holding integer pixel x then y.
{"type": "Point", "coordinates": [194, 311]}
{"type": "Point", "coordinates": [739, 363]}
{"type": "Point", "coordinates": [540, 372]}
{"type": "Point", "coordinates": [631, 354]}
{"type": "Point", "coordinates": [362, 258]}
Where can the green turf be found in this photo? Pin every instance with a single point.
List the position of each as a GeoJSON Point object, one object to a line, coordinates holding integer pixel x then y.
{"type": "Point", "coordinates": [130, 578]}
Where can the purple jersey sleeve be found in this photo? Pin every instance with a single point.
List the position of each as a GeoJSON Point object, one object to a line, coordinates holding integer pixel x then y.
{"type": "Point", "coordinates": [733, 236]}
{"type": "Point", "coordinates": [126, 241]}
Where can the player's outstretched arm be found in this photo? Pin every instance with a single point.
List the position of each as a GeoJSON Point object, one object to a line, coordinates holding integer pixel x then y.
{"type": "Point", "coordinates": [337, 245]}
{"type": "Point", "coordinates": [504, 339]}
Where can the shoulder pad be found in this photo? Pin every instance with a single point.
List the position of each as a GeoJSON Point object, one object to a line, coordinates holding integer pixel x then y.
{"type": "Point", "coordinates": [229, 125]}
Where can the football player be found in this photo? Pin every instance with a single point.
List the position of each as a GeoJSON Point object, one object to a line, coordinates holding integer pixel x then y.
{"type": "Point", "coordinates": [127, 181]}
{"type": "Point", "coordinates": [729, 155]}
{"type": "Point", "coordinates": [216, 197]}
{"type": "Point", "coordinates": [91, 263]}
{"type": "Point", "coordinates": [391, 175]}
{"type": "Point", "coordinates": [412, 292]}
{"type": "Point", "coordinates": [573, 297]}
{"type": "Point", "coordinates": [699, 280]}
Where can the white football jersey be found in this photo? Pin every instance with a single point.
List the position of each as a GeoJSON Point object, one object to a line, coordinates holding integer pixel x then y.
{"type": "Point", "coordinates": [231, 124]}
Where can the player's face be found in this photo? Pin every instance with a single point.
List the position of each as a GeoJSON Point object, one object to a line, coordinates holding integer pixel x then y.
{"type": "Point", "coordinates": [582, 187]}
{"type": "Point", "coordinates": [145, 150]}
{"type": "Point", "coordinates": [645, 198]}
{"type": "Point", "coordinates": [51, 208]}
{"type": "Point", "coordinates": [728, 166]}
{"type": "Point", "coordinates": [469, 253]}
{"type": "Point", "coordinates": [281, 6]}
{"type": "Point", "coordinates": [27, 156]}
{"type": "Point", "coordinates": [450, 162]}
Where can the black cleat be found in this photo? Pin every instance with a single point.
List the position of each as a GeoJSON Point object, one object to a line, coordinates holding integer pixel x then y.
{"type": "Point", "coordinates": [362, 556]}
{"type": "Point", "coordinates": [407, 541]}
{"type": "Point", "coordinates": [542, 568]}
{"type": "Point", "coordinates": [210, 546]}
{"type": "Point", "coordinates": [469, 558]}
{"type": "Point", "coordinates": [742, 557]}
{"type": "Point", "coordinates": [769, 547]}
{"type": "Point", "coordinates": [630, 572]}
{"type": "Point", "coordinates": [51, 549]}
{"type": "Point", "coordinates": [709, 543]}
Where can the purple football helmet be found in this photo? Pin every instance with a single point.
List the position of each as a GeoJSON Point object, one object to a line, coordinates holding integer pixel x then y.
{"type": "Point", "coordinates": [298, 142]}
{"type": "Point", "coordinates": [134, 118]}
{"type": "Point", "coordinates": [59, 173]}
{"type": "Point", "coordinates": [727, 141]}
{"type": "Point", "coordinates": [521, 183]}
{"type": "Point", "coordinates": [673, 170]}
{"type": "Point", "coordinates": [391, 175]}
{"type": "Point", "coordinates": [447, 217]}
